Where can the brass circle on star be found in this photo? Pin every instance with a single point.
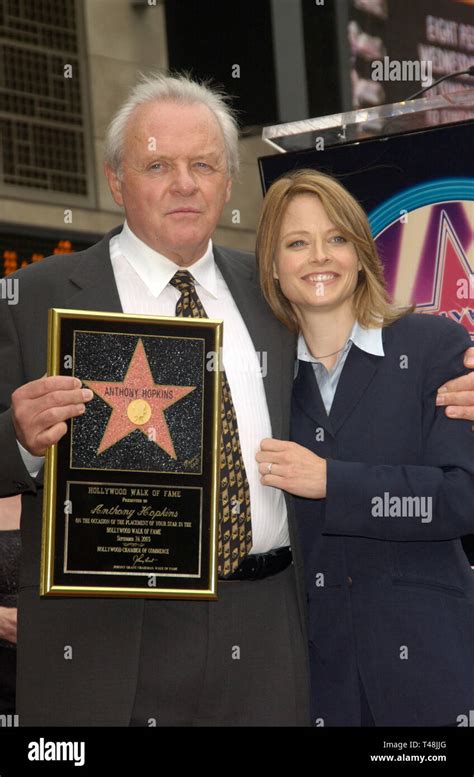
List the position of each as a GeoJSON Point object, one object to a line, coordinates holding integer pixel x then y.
{"type": "Point", "coordinates": [139, 411]}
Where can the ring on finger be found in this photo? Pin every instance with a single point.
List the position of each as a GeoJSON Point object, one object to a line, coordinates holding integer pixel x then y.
{"type": "Point", "coordinates": [269, 466]}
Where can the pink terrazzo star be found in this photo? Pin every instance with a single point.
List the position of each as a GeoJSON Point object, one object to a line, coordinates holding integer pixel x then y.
{"type": "Point", "coordinates": [137, 402]}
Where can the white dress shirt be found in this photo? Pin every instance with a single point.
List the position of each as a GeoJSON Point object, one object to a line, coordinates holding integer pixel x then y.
{"type": "Point", "coordinates": [142, 276]}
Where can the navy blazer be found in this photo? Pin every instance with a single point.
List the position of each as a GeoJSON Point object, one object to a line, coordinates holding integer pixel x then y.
{"type": "Point", "coordinates": [390, 589]}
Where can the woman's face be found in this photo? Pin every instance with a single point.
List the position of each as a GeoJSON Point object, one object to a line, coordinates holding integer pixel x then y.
{"type": "Point", "coordinates": [315, 265]}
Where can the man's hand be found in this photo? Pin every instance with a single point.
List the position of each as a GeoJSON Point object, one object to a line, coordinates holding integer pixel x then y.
{"type": "Point", "coordinates": [41, 408]}
{"type": "Point", "coordinates": [8, 624]}
{"type": "Point", "coordinates": [293, 468]}
{"type": "Point", "coordinates": [458, 395]}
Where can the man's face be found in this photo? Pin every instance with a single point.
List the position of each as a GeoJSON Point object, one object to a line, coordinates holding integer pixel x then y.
{"type": "Point", "coordinates": [174, 181]}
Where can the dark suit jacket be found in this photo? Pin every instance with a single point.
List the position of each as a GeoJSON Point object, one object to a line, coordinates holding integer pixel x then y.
{"type": "Point", "coordinates": [390, 597]}
{"type": "Point", "coordinates": [97, 686]}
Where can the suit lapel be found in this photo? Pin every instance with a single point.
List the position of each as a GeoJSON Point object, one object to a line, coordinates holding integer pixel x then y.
{"type": "Point", "coordinates": [270, 338]}
{"type": "Point", "coordinates": [307, 396]}
{"type": "Point", "coordinates": [92, 283]}
{"type": "Point", "coordinates": [358, 372]}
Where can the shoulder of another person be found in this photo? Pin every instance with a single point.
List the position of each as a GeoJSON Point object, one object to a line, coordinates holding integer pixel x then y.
{"type": "Point", "coordinates": [236, 254]}
{"type": "Point", "coordinates": [429, 328]}
{"type": "Point", "coordinates": [436, 341]}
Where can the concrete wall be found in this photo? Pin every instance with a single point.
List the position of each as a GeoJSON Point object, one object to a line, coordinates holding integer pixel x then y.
{"type": "Point", "coordinates": [120, 42]}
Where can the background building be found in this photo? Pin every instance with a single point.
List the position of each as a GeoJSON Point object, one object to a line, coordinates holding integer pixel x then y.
{"type": "Point", "coordinates": [65, 66]}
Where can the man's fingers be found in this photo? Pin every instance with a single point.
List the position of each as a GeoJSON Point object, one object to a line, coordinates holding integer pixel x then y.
{"type": "Point", "coordinates": [469, 358]}
{"type": "Point", "coordinates": [40, 409]}
{"type": "Point", "coordinates": [464, 383]}
{"type": "Point", "coordinates": [50, 437]}
{"type": "Point", "coordinates": [30, 411]}
{"type": "Point", "coordinates": [8, 623]}
{"type": "Point", "coordinates": [12, 626]}
{"type": "Point", "coordinates": [37, 388]}
{"type": "Point", "coordinates": [459, 398]}
{"type": "Point", "coordinates": [466, 413]}
{"type": "Point", "coordinates": [59, 398]}
{"type": "Point", "coordinates": [55, 415]}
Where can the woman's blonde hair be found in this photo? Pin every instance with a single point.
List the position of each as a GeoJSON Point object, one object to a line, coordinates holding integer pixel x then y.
{"type": "Point", "coordinates": [372, 304]}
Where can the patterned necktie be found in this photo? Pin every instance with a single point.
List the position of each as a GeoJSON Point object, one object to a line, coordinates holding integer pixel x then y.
{"type": "Point", "coordinates": [235, 526]}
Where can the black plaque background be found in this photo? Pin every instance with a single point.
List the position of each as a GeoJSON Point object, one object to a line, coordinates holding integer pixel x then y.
{"type": "Point", "coordinates": [144, 478]}
{"type": "Point", "coordinates": [183, 541]}
{"type": "Point", "coordinates": [171, 361]}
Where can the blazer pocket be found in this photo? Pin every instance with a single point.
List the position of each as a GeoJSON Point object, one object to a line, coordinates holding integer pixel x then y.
{"type": "Point", "coordinates": [429, 585]}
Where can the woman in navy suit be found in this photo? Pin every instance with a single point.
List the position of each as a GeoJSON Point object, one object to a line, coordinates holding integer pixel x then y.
{"type": "Point", "coordinates": [383, 481]}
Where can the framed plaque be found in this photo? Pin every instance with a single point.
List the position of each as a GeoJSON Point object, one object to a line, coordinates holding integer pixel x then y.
{"type": "Point", "coordinates": [132, 489]}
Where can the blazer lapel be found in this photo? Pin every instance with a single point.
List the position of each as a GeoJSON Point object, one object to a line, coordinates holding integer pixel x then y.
{"type": "Point", "coordinates": [358, 372]}
{"type": "Point", "coordinates": [271, 339]}
{"type": "Point", "coordinates": [307, 396]}
{"type": "Point", "coordinates": [92, 283]}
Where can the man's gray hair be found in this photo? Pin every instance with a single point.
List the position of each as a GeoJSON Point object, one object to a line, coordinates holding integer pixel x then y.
{"type": "Point", "coordinates": [178, 89]}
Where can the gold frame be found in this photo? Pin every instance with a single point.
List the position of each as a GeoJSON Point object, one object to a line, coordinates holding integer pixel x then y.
{"type": "Point", "coordinates": [48, 587]}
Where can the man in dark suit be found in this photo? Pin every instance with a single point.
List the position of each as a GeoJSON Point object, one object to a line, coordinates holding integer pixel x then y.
{"type": "Point", "coordinates": [171, 155]}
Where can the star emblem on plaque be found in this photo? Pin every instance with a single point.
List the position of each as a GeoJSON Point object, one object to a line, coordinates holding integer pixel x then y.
{"type": "Point", "coordinates": [147, 410]}
{"type": "Point", "coordinates": [138, 404]}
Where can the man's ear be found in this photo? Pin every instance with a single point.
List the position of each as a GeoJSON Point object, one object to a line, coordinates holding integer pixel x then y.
{"type": "Point", "coordinates": [115, 184]}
